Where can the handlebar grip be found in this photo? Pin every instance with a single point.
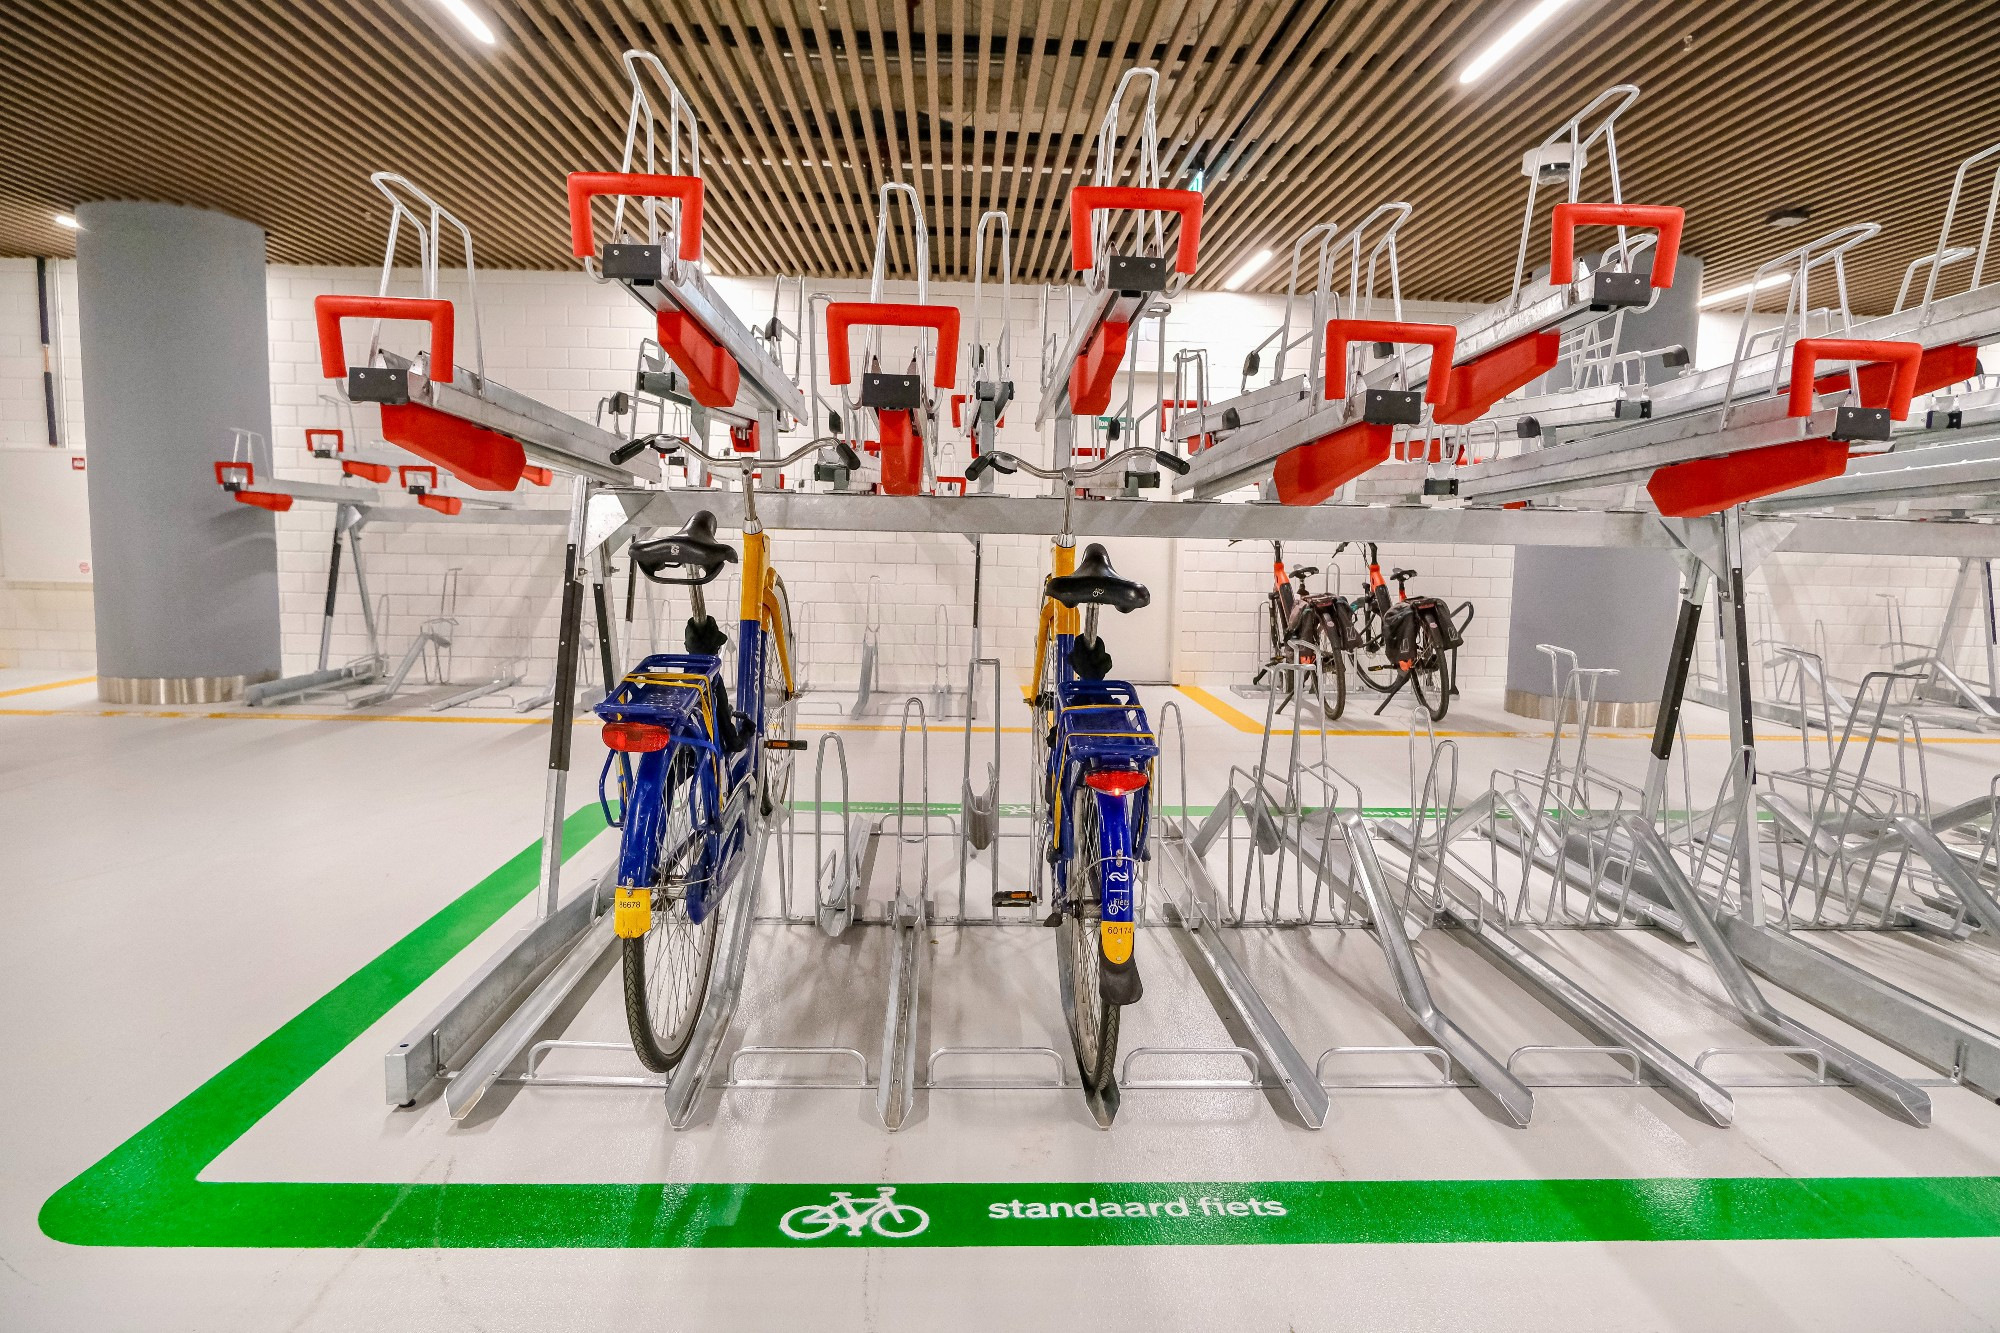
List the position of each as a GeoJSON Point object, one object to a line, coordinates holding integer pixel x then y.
{"type": "Point", "coordinates": [629, 450]}
{"type": "Point", "coordinates": [1665, 218]}
{"type": "Point", "coordinates": [1807, 353]}
{"type": "Point", "coordinates": [328, 311]}
{"type": "Point", "coordinates": [1177, 466]}
{"type": "Point", "coordinates": [587, 185]}
{"type": "Point", "coordinates": [848, 458]}
{"type": "Point", "coordinates": [1086, 200]}
{"type": "Point", "coordinates": [979, 466]}
{"type": "Point", "coordinates": [1440, 338]}
{"type": "Point", "coordinates": [844, 316]}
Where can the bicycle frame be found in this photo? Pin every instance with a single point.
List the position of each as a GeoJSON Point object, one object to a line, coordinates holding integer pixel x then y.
{"type": "Point", "coordinates": [1114, 761]}
{"type": "Point", "coordinates": [680, 693]}
{"type": "Point", "coordinates": [1122, 804]}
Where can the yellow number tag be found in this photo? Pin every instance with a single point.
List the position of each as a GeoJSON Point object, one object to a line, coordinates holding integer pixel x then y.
{"type": "Point", "coordinates": [1117, 938]}
{"type": "Point", "coordinates": [632, 913]}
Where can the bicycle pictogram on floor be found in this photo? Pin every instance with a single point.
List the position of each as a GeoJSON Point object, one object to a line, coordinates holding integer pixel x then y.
{"type": "Point", "coordinates": [882, 1214]}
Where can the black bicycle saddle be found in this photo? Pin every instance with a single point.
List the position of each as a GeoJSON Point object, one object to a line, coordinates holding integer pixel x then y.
{"type": "Point", "coordinates": [1096, 583]}
{"type": "Point", "coordinates": [693, 547]}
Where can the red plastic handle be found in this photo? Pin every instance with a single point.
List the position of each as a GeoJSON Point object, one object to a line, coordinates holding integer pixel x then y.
{"type": "Point", "coordinates": [403, 475]}
{"type": "Point", "coordinates": [322, 432]}
{"type": "Point", "coordinates": [1086, 200]}
{"type": "Point", "coordinates": [328, 311]}
{"type": "Point", "coordinates": [540, 476]}
{"type": "Point", "coordinates": [1177, 405]}
{"type": "Point", "coordinates": [844, 316]}
{"type": "Point", "coordinates": [1440, 338]}
{"type": "Point", "coordinates": [222, 471]}
{"type": "Point", "coordinates": [1807, 353]}
{"type": "Point", "coordinates": [585, 186]}
{"type": "Point", "coordinates": [1665, 218]}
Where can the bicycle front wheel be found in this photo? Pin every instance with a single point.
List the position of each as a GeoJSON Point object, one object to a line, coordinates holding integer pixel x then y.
{"type": "Point", "coordinates": [1093, 1024]}
{"type": "Point", "coordinates": [899, 1222]}
{"type": "Point", "coordinates": [667, 968]}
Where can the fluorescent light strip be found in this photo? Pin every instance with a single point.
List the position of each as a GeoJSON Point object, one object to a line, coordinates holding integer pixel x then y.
{"type": "Point", "coordinates": [1768, 280]}
{"type": "Point", "coordinates": [68, 222]}
{"type": "Point", "coordinates": [1522, 29]}
{"type": "Point", "coordinates": [1249, 269]}
{"type": "Point", "coordinates": [468, 20]}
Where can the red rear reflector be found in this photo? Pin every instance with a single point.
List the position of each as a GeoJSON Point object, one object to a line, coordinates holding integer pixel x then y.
{"type": "Point", "coordinates": [636, 737]}
{"type": "Point", "coordinates": [1115, 782]}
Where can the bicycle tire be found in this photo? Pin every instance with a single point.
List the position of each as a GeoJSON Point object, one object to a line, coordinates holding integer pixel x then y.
{"type": "Point", "coordinates": [666, 970]}
{"type": "Point", "coordinates": [1331, 663]}
{"type": "Point", "coordinates": [1434, 664]}
{"type": "Point", "coordinates": [1093, 1024]}
{"type": "Point", "coordinates": [776, 765]}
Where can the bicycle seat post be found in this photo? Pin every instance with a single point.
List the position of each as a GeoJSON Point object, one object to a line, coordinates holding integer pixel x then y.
{"type": "Point", "coordinates": [750, 520]}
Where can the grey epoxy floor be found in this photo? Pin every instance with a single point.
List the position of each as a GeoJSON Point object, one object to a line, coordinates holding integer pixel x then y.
{"type": "Point", "coordinates": [251, 864]}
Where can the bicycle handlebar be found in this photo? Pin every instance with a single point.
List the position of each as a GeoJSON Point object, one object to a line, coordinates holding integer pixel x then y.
{"type": "Point", "coordinates": [1003, 461]}
{"type": "Point", "coordinates": [743, 463]}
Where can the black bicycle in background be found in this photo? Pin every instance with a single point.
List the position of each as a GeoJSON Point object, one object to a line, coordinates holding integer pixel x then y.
{"type": "Point", "coordinates": [1406, 640]}
{"type": "Point", "coordinates": [1318, 625]}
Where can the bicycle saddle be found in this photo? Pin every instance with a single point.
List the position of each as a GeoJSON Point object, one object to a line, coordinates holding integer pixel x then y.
{"type": "Point", "coordinates": [1401, 574]}
{"type": "Point", "coordinates": [1097, 583]}
{"type": "Point", "coordinates": [1304, 571]}
{"type": "Point", "coordinates": [693, 547]}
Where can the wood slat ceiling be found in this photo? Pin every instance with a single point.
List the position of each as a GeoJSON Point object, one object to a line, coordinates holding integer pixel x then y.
{"type": "Point", "coordinates": [277, 111]}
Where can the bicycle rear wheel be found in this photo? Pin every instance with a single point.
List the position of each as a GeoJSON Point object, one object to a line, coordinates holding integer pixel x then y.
{"type": "Point", "coordinates": [1431, 676]}
{"type": "Point", "coordinates": [1332, 668]}
{"type": "Point", "coordinates": [1093, 1024]}
{"type": "Point", "coordinates": [667, 969]}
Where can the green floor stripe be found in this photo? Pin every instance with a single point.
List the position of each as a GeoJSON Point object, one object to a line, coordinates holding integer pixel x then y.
{"type": "Point", "coordinates": [147, 1191]}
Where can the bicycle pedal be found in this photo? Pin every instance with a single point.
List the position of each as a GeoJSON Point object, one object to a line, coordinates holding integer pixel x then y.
{"type": "Point", "coordinates": [776, 743]}
{"type": "Point", "coordinates": [1014, 898]}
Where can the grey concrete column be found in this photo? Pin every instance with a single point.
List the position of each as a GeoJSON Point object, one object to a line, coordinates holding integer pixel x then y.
{"type": "Point", "coordinates": [175, 353]}
{"type": "Point", "coordinates": [1611, 607]}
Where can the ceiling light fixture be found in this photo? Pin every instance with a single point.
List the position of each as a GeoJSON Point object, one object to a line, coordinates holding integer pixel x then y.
{"type": "Point", "coordinates": [68, 222]}
{"type": "Point", "coordinates": [1520, 31]}
{"type": "Point", "coordinates": [1787, 217]}
{"type": "Point", "coordinates": [1249, 269]}
{"type": "Point", "coordinates": [1768, 280]}
{"type": "Point", "coordinates": [469, 20]}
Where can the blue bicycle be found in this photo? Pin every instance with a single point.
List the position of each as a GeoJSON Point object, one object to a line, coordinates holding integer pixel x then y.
{"type": "Point", "coordinates": [706, 769]}
{"type": "Point", "coordinates": [1094, 752]}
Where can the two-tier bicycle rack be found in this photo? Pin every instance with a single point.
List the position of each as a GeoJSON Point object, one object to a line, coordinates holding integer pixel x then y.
{"type": "Point", "coordinates": [1290, 849]}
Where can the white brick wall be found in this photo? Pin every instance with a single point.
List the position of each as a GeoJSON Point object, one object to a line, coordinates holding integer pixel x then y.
{"type": "Point", "coordinates": [42, 625]}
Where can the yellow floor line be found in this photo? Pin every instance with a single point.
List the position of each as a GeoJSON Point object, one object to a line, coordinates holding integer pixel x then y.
{"type": "Point", "coordinates": [1242, 721]}
{"type": "Point", "coordinates": [52, 685]}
